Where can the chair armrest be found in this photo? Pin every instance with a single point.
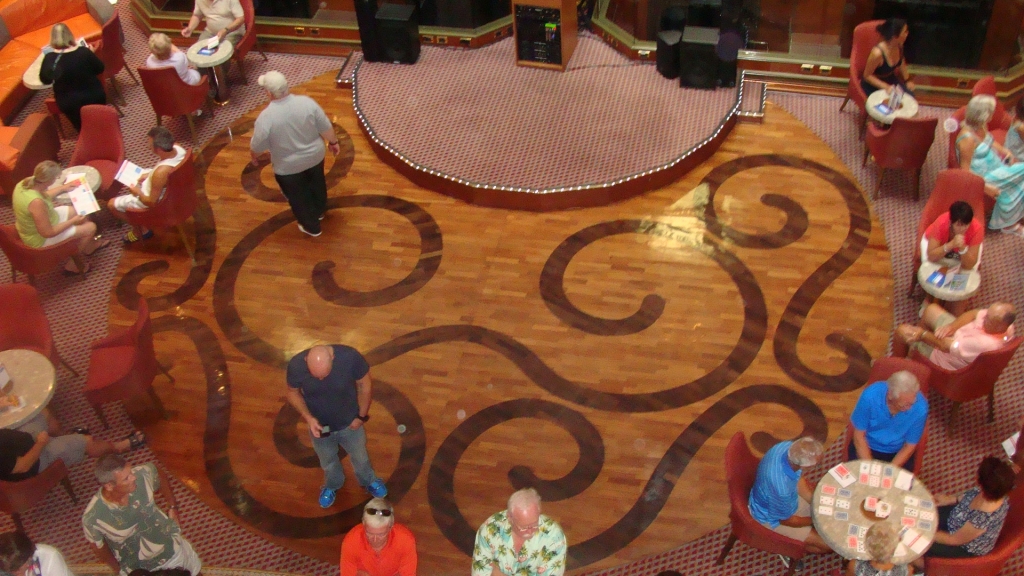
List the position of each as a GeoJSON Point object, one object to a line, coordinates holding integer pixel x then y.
{"type": "Point", "coordinates": [120, 338]}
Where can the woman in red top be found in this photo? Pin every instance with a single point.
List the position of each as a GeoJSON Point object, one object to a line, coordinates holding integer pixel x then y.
{"type": "Point", "coordinates": [955, 235]}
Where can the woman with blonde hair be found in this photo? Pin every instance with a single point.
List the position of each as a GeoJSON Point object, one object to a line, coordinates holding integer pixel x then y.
{"type": "Point", "coordinates": [978, 152]}
{"type": "Point", "coordinates": [74, 71]}
{"type": "Point", "coordinates": [164, 54]}
{"type": "Point", "coordinates": [41, 224]}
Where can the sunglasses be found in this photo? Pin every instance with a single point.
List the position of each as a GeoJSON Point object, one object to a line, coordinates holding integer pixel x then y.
{"type": "Point", "coordinates": [377, 512]}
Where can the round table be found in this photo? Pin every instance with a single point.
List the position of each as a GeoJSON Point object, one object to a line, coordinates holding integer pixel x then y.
{"type": "Point", "coordinates": [31, 76]}
{"type": "Point", "coordinates": [907, 109]}
{"type": "Point", "coordinates": [33, 378]}
{"type": "Point", "coordinates": [219, 78]}
{"type": "Point", "coordinates": [945, 293]}
{"type": "Point", "coordinates": [92, 176]}
{"type": "Point", "coordinates": [841, 520]}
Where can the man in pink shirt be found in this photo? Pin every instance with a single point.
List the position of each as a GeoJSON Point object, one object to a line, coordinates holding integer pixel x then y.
{"type": "Point", "coordinates": [953, 343]}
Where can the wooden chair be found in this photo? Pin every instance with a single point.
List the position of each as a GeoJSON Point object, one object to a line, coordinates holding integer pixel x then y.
{"type": "Point", "coordinates": [22, 496]}
{"type": "Point", "coordinates": [175, 208]}
{"type": "Point", "coordinates": [740, 471]}
{"type": "Point", "coordinates": [904, 146]}
{"type": "Point", "coordinates": [23, 323]}
{"type": "Point", "coordinates": [33, 261]}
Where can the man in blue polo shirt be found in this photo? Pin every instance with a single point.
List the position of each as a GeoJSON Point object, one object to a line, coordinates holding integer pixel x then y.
{"type": "Point", "coordinates": [889, 420]}
{"type": "Point", "coordinates": [780, 498]}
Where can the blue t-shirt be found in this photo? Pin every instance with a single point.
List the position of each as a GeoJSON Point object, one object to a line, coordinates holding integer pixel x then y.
{"type": "Point", "coordinates": [332, 401]}
{"type": "Point", "coordinates": [886, 432]}
{"type": "Point", "coordinates": [774, 497]}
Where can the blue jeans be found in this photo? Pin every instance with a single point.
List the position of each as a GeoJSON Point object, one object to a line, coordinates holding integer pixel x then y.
{"type": "Point", "coordinates": [354, 442]}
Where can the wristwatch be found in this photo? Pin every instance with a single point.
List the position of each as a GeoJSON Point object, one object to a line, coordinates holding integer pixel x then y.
{"type": "Point", "coordinates": [364, 418]}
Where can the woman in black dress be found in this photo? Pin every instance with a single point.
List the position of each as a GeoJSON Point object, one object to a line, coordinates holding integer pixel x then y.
{"type": "Point", "coordinates": [74, 72]}
{"type": "Point", "coordinates": [886, 67]}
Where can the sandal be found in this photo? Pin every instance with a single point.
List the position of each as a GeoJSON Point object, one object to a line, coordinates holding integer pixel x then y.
{"type": "Point", "coordinates": [78, 272]}
{"type": "Point", "coordinates": [135, 440]}
{"type": "Point", "coordinates": [131, 237]}
{"type": "Point", "coordinates": [103, 244]}
{"type": "Point", "coordinates": [1016, 230]}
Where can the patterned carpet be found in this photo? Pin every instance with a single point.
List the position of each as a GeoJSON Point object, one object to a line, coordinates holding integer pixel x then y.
{"type": "Point", "coordinates": [77, 309]}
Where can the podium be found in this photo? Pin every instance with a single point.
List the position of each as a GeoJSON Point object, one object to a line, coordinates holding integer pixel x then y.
{"type": "Point", "coordinates": [545, 32]}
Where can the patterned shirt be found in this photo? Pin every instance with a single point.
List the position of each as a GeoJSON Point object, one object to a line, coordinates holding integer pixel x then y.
{"type": "Point", "coordinates": [542, 555]}
{"type": "Point", "coordinates": [140, 535]}
{"type": "Point", "coordinates": [774, 496]}
{"type": "Point", "coordinates": [864, 568]}
{"type": "Point", "coordinates": [990, 522]}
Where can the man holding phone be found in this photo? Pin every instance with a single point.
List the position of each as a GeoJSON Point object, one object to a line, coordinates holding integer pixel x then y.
{"type": "Point", "coordinates": [330, 388]}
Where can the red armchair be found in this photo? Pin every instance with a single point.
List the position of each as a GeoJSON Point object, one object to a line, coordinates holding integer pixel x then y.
{"type": "Point", "coordinates": [740, 471]}
{"type": "Point", "coordinates": [1011, 538]}
{"type": "Point", "coordinates": [33, 261]}
{"type": "Point", "coordinates": [18, 497]}
{"type": "Point", "coordinates": [865, 37]}
{"type": "Point", "coordinates": [100, 145]}
{"type": "Point", "coordinates": [23, 323]}
{"type": "Point", "coordinates": [249, 39]}
{"type": "Point", "coordinates": [171, 96]}
{"type": "Point", "coordinates": [904, 146]}
{"type": "Point", "coordinates": [882, 369]}
{"type": "Point", "coordinates": [176, 207]}
{"type": "Point", "coordinates": [950, 186]}
{"type": "Point", "coordinates": [974, 381]}
{"type": "Point", "coordinates": [22, 147]}
{"type": "Point", "coordinates": [109, 52]}
{"type": "Point", "coordinates": [998, 125]}
{"type": "Point", "coordinates": [124, 364]}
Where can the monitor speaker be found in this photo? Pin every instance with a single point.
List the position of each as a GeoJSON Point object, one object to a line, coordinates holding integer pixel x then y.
{"type": "Point", "coordinates": [398, 33]}
{"type": "Point", "coordinates": [366, 17]}
{"type": "Point", "coordinates": [698, 65]}
{"type": "Point", "coordinates": [668, 53]}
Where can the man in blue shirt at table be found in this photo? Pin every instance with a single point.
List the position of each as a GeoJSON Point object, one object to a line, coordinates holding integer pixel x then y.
{"type": "Point", "coordinates": [780, 497]}
{"type": "Point", "coordinates": [889, 420]}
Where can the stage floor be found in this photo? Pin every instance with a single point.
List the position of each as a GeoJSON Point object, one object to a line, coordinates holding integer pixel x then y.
{"type": "Point", "coordinates": [605, 355]}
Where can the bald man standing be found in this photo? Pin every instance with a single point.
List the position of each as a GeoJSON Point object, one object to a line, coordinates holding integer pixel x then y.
{"type": "Point", "coordinates": [330, 388]}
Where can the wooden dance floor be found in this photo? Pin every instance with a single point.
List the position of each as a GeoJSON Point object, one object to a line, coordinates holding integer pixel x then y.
{"type": "Point", "coordinates": [604, 356]}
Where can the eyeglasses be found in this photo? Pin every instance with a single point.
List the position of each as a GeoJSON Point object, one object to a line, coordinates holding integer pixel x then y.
{"type": "Point", "coordinates": [377, 512]}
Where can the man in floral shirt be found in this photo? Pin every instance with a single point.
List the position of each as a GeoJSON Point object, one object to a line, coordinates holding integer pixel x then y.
{"type": "Point", "coordinates": [520, 541]}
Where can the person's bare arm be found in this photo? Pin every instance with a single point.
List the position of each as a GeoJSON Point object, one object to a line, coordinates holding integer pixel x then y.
{"type": "Point", "coordinates": [804, 490]}
{"type": "Point", "coordinates": [937, 250]}
{"type": "Point", "coordinates": [860, 444]}
{"type": "Point", "coordinates": [851, 568]}
{"type": "Point", "coordinates": [294, 396]}
{"type": "Point", "coordinates": [874, 60]}
{"type": "Point", "coordinates": [159, 176]}
{"type": "Point", "coordinates": [107, 557]}
{"type": "Point", "coordinates": [965, 534]}
{"type": "Point", "coordinates": [964, 319]}
{"type": "Point", "coordinates": [235, 25]}
{"type": "Point", "coordinates": [38, 211]}
{"type": "Point", "coordinates": [25, 462]}
{"type": "Point", "coordinates": [795, 521]}
{"type": "Point", "coordinates": [168, 494]}
{"type": "Point", "coordinates": [904, 454]}
{"type": "Point", "coordinates": [966, 147]}
{"type": "Point", "coordinates": [364, 395]}
{"type": "Point", "coordinates": [332, 141]}
{"type": "Point", "coordinates": [969, 259]}
{"type": "Point", "coordinates": [193, 22]}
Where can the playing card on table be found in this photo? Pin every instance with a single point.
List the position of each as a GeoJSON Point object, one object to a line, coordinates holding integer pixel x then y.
{"type": "Point", "coordinates": [853, 530]}
{"type": "Point", "coordinates": [860, 547]}
{"type": "Point", "coordinates": [904, 480]}
{"type": "Point", "coordinates": [927, 504]}
{"type": "Point", "coordinates": [826, 501]}
{"type": "Point", "coordinates": [926, 515]}
{"type": "Point", "coordinates": [825, 510]}
{"type": "Point", "coordinates": [911, 512]}
{"type": "Point", "coordinates": [888, 471]}
{"type": "Point", "coordinates": [844, 493]}
{"type": "Point", "coordinates": [828, 490]}
{"type": "Point", "coordinates": [844, 516]}
{"type": "Point", "coordinates": [870, 503]}
{"type": "Point", "coordinates": [842, 474]}
{"type": "Point", "coordinates": [910, 500]}
{"type": "Point", "coordinates": [908, 522]}
{"type": "Point", "coordinates": [886, 483]}
{"type": "Point", "coordinates": [851, 542]}
{"type": "Point", "coordinates": [924, 525]}
{"type": "Point", "coordinates": [864, 477]}
{"type": "Point", "coordinates": [874, 481]}
{"type": "Point", "coordinates": [876, 468]}
{"type": "Point", "coordinates": [844, 504]}
{"type": "Point", "coordinates": [865, 467]}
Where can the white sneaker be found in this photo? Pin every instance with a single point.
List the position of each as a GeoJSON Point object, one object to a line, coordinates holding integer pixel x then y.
{"type": "Point", "coordinates": [304, 231]}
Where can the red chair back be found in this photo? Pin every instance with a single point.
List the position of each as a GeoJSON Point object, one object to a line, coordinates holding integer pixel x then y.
{"type": "Point", "coordinates": [865, 37]}
{"type": "Point", "coordinates": [21, 496]}
{"type": "Point", "coordinates": [977, 379]}
{"type": "Point", "coordinates": [109, 50]}
{"type": "Point", "coordinates": [177, 205]}
{"type": "Point", "coordinates": [34, 261]}
{"type": "Point", "coordinates": [169, 94]}
{"type": "Point", "coordinates": [249, 38]}
{"type": "Point", "coordinates": [905, 145]}
{"type": "Point", "coordinates": [23, 323]}
{"type": "Point", "coordinates": [1011, 538]}
{"type": "Point", "coordinates": [740, 472]}
{"type": "Point", "coordinates": [100, 144]}
{"type": "Point", "coordinates": [142, 367]}
{"type": "Point", "coordinates": [950, 186]}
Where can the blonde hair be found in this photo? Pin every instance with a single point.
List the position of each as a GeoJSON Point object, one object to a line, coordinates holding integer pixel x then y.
{"type": "Point", "coordinates": [160, 45]}
{"type": "Point", "coordinates": [881, 541]}
{"type": "Point", "coordinates": [61, 36]}
{"type": "Point", "coordinates": [45, 173]}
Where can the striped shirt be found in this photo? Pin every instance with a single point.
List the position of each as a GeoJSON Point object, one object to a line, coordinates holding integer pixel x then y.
{"type": "Point", "coordinates": [774, 497]}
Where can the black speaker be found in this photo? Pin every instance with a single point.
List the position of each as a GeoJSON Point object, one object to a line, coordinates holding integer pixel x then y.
{"type": "Point", "coordinates": [673, 18]}
{"type": "Point", "coordinates": [730, 42]}
{"type": "Point", "coordinates": [399, 33]}
{"type": "Point", "coordinates": [366, 17]}
{"type": "Point", "coordinates": [668, 53]}
{"type": "Point", "coordinates": [698, 65]}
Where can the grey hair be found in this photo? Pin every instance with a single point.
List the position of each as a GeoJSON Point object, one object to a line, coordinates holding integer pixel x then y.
{"type": "Point", "coordinates": [523, 500]}
{"type": "Point", "coordinates": [901, 383]}
{"type": "Point", "coordinates": [107, 465]}
{"type": "Point", "coordinates": [979, 110]}
{"type": "Point", "coordinates": [805, 452]}
{"type": "Point", "coordinates": [881, 541]}
{"type": "Point", "coordinates": [377, 521]}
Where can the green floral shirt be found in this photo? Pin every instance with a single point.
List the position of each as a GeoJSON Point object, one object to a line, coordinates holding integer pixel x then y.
{"type": "Point", "coordinates": [542, 555]}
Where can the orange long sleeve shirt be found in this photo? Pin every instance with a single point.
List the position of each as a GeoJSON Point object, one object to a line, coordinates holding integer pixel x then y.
{"type": "Point", "coordinates": [397, 558]}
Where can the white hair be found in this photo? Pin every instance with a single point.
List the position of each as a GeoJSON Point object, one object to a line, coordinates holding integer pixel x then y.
{"type": "Point", "coordinates": [979, 110]}
{"type": "Point", "coordinates": [376, 520]}
{"type": "Point", "coordinates": [523, 500]}
{"type": "Point", "coordinates": [275, 83]}
{"type": "Point", "coordinates": [902, 383]}
{"type": "Point", "coordinates": [805, 452]}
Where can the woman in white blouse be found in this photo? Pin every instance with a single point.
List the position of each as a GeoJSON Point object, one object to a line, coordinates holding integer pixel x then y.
{"type": "Point", "coordinates": [166, 55]}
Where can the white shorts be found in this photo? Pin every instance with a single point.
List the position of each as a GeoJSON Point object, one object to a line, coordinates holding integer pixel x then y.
{"type": "Point", "coordinates": [126, 202]}
{"type": "Point", "coordinates": [64, 212]}
{"type": "Point", "coordinates": [184, 557]}
{"type": "Point", "coordinates": [799, 534]}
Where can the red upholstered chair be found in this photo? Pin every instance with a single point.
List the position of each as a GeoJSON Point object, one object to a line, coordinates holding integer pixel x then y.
{"type": "Point", "coordinates": [998, 125]}
{"type": "Point", "coordinates": [950, 186]}
{"type": "Point", "coordinates": [1011, 538]}
{"type": "Point", "coordinates": [171, 96]}
{"type": "Point", "coordinates": [124, 364]}
{"type": "Point", "coordinates": [882, 369]}
{"type": "Point", "coordinates": [865, 37]}
{"type": "Point", "coordinates": [249, 39]}
{"type": "Point", "coordinates": [740, 471]}
{"type": "Point", "coordinates": [23, 323]}
{"type": "Point", "coordinates": [22, 147]}
{"type": "Point", "coordinates": [904, 146]}
{"type": "Point", "coordinates": [176, 207]}
{"type": "Point", "coordinates": [100, 145]}
{"type": "Point", "coordinates": [109, 52]}
{"type": "Point", "coordinates": [976, 380]}
{"type": "Point", "coordinates": [55, 113]}
{"type": "Point", "coordinates": [18, 497]}
{"type": "Point", "coordinates": [33, 261]}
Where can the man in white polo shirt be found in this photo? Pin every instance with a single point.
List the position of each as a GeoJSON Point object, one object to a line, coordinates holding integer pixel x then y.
{"type": "Point", "coordinates": [224, 19]}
